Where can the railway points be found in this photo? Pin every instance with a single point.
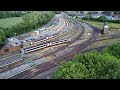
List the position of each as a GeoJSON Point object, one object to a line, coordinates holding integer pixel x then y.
{"type": "Point", "coordinates": [48, 47]}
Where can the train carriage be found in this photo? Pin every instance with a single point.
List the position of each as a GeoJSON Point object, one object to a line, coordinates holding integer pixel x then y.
{"type": "Point", "coordinates": [38, 47]}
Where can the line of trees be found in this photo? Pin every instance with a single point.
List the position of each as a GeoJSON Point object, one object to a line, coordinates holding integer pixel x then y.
{"type": "Point", "coordinates": [101, 19]}
{"type": "Point", "coordinates": [92, 65]}
{"type": "Point", "coordinates": [2, 38]}
{"type": "Point", "coordinates": [8, 14]}
{"type": "Point", "coordinates": [30, 22]}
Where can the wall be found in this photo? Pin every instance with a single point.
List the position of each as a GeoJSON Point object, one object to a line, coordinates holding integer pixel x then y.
{"type": "Point", "coordinates": [8, 50]}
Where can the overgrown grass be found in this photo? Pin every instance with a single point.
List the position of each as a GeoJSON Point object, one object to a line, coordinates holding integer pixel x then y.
{"type": "Point", "coordinates": [105, 42]}
{"type": "Point", "coordinates": [9, 22]}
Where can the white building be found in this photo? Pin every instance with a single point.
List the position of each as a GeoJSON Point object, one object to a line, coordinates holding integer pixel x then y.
{"type": "Point", "coordinates": [14, 41]}
{"type": "Point", "coordinates": [95, 16]}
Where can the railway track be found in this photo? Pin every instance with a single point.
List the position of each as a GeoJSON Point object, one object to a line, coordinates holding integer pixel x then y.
{"type": "Point", "coordinates": [45, 66]}
{"type": "Point", "coordinates": [68, 25]}
{"type": "Point", "coordinates": [70, 55]}
{"type": "Point", "coordinates": [73, 41]}
{"type": "Point", "coordinates": [16, 64]}
{"type": "Point", "coordinates": [56, 61]}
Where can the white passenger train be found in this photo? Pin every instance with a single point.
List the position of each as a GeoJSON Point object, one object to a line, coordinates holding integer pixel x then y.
{"type": "Point", "coordinates": [38, 47]}
{"type": "Point", "coordinates": [62, 31]}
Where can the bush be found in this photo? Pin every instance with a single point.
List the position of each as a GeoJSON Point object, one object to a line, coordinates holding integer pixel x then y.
{"type": "Point", "coordinates": [30, 22]}
{"type": "Point", "coordinates": [8, 14]}
{"type": "Point", "coordinates": [92, 65]}
{"type": "Point", "coordinates": [2, 37]}
{"type": "Point", "coordinates": [101, 19]}
{"type": "Point", "coordinates": [113, 50]}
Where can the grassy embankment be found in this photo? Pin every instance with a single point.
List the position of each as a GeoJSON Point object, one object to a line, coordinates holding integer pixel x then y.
{"type": "Point", "coordinates": [109, 41]}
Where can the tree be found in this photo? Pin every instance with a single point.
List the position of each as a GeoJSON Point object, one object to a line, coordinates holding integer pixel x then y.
{"type": "Point", "coordinates": [92, 65]}
{"type": "Point", "coordinates": [107, 12]}
{"type": "Point", "coordinates": [8, 14]}
{"type": "Point", "coordinates": [2, 37]}
{"type": "Point", "coordinates": [102, 18]}
{"type": "Point", "coordinates": [37, 19]}
{"type": "Point", "coordinates": [70, 70]}
{"type": "Point", "coordinates": [30, 22]}
{"type": "Point", "coordinates": [113, 50]}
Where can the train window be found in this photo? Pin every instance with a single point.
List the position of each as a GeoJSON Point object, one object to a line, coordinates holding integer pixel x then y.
{"type": "Point", "coordinates": [65, 40]}
{"type": "Point", "coordinates": [35, 41]}
{"type": "Point", "coordinates": [38, 41]}
{"type": "Point", "coordinates": [50, 44]}
{"type": "Point", "coordinates": [32, 49]}
{"type": "Point", "coordinates": [41, 45]}
{"type": "Point", "coordinates": [56, 41]}
{"type": "Point", "coordinates": [26, 40]}
{"type": "Point", "coordinates": [42, 40]}
{"type": "Point", "coordinates": [44, 44]}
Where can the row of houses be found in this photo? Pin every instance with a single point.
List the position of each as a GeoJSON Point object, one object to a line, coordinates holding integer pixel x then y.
{"type": "Point", "coordinates": [95, 15]}
{"type": "Point", "coordinates": [108, 17]}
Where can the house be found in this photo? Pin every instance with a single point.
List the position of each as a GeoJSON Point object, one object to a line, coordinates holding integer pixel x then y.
{"type": "Point", "coordinates": [81, 15]}
{"type": "Point", "coordinates": [115, 18]}
{"type": "Point", "coordinates": [95, 15]}
{"type": "Point", "coordinates": [108, 17]}
{"type": "Point", "coordinates": [14, 42]}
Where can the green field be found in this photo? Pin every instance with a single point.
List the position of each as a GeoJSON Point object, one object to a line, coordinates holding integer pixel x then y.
{"type": "Point", "coordinates": [9, 22]}
{"type": "Point", "coordinates": [100, 24]}
{"type": "Point", "coordinates": [104, 42]}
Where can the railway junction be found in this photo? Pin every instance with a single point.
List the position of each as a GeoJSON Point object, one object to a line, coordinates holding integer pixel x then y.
{"type": "Point", "coordinates": [42, 51]}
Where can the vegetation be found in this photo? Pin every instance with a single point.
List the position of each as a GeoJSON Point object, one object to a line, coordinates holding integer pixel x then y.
{"type": "Point", "coordinates": [9, 22]}
{"type": "Point", "coordinates": [113, 50]}
{"type": "Point", "coordinates": [27, 23]}
{"type": "Point", "coordinates": [8, 14]}
{"type": "Point", "coordinates": [92, 65]}
{"type": "Point", "coordinates": [103, 42]}
{"type": "Point", "coordinates": [100, 24]}
{"type": "Point", "coordinates": [101, 19]}
{"type": "Point", "coordinates": [2, 37]}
